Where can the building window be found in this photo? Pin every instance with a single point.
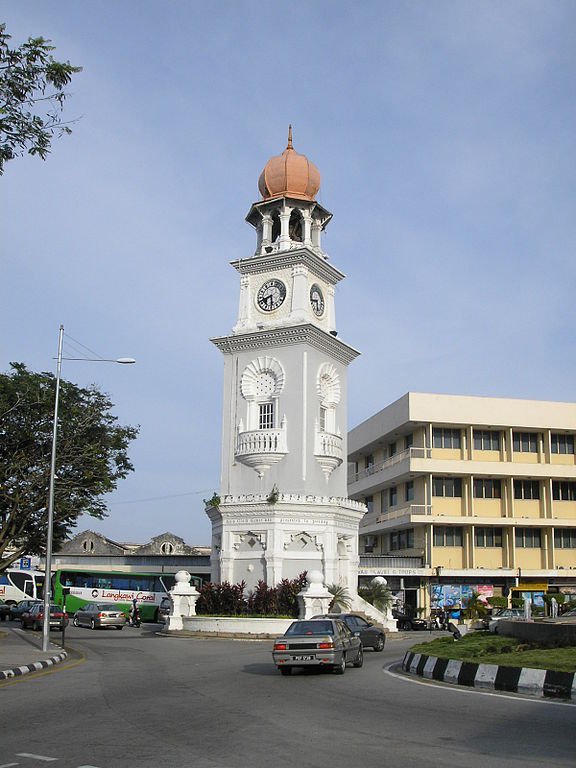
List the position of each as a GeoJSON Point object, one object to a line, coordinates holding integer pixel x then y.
{"type": "Point", "coordinates": [564, 490]}
{"type": "Point", "coordinates": [408, 441]}
{"type": "Point", "coordinates": [166, 548]}
{"type": "Point", "coordinates": [322, 419]}
{"type": "Point", "coordinates": [562, 443]}
{"type": "Point", "coordinates": [391, 449]}
{"type": "Point", "coordinates": [526, 489]}
{"type": "Point", "coordinates": [402, 539]}
{"type": "Point", "coordinates": [369, 544]}
{"type": "Point", "coordinates": [266, 420]}
{"type": "Point", "coordinates": [410, 490]}
{"type": "Point", "coordinates": [565, 538]}
{"type": "Point", "coordinates": [447, 536]}
{"type": "Point", "coordinates": [445, 438]}
{"type": "Point", "coordinates": [393, 496]}
{"type": "Point", "coordinates": [528, 538]}
{"type": "Point", "coordinates": [447, 486]}
{"type": "Point", "coordinates": [368, 461]}
{"type": "Point", "coordinates": [88, 545]}
{"type": "Point", "coordinates": [488, 537]}
{"type": "Point", "coordinates": [525, 442]}
{"type": "Point", "coordinates": [369, 501]}
{"type": "Point", "coordinates": [486, 440]}
{"type": "Point", "coordinates": [487, 488]}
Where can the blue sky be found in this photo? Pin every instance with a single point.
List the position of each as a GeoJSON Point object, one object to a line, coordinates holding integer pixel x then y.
{"type": "Point", "coordinates": [445, 136]}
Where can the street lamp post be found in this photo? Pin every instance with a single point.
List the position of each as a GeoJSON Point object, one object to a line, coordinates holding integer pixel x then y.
{"type": "Point", "coordinates": [50, 526]}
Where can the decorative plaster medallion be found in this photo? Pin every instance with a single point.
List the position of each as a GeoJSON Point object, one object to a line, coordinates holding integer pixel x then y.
{"type": "Point", "coordinates": [262, 379]}
{"type": "Point", "coordinates": [328, 384]}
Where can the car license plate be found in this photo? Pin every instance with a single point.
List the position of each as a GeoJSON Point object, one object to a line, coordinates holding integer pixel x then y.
{"type": "Point", "coordinates": [303, 658]}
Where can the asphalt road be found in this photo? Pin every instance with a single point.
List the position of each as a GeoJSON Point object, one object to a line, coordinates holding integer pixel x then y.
{"type": "Point", "coordinates": [138, 699]}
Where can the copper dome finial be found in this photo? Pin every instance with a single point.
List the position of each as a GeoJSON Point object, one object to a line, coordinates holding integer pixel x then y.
{"type": "Point", "coordinates": [290, 174]}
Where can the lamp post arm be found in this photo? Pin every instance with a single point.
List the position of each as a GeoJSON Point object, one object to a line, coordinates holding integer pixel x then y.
{"type": "Point", "coordinates": [48, 564]}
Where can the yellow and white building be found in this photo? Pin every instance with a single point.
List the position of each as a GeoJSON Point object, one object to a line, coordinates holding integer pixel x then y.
{"type": "Point", "coordinates": [467, 492]}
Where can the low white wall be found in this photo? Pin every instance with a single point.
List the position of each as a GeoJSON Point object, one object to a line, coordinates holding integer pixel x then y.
{"type": "Point", "coordinates": [235, 625]}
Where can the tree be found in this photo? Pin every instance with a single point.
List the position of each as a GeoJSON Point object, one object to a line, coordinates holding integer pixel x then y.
{"type": "Point", "coordinates": [377, 594]}
{"type": "Point", "coordinates": [91, 457]}
{"type": "Point", "coordinates": [32, 97]}
{"type": "Point", "coordinates": [341, 600]}
{"type": "Point", "coordinates": [476, 606]}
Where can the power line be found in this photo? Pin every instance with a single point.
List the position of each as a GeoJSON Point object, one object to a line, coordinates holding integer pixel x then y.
{"type": "Point", "coordinates": [84, 347]}
{"type": "Point", "coordinates": [161, 498]}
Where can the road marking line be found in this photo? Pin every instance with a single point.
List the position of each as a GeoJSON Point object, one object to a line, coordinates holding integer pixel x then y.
{"type": "Point", "coordinates": [451, 688]}
{"type": "Point", "coordinates": [37, 757]}
{"type": "Point", "coordinates": [8, 765]}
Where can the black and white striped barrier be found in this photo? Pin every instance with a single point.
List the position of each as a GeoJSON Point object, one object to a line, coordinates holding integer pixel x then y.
{"type": "Point", "coordinates": [7, 674]}
{"type": "Point", "coordinates": [532, 682]}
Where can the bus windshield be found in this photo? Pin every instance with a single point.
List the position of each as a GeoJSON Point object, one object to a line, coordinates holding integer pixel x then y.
{"type": "Point", "coordinates": [16, 585]}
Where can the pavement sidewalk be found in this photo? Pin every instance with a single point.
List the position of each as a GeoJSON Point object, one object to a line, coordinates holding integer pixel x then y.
{"type": "Point", "coordinates": [21, 652]}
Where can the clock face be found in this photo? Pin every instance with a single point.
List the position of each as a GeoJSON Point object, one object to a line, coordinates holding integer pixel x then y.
{"type": "Point", "coordinates": [317, 300]}
{"type": "Point", "coordinates": [271, 295]}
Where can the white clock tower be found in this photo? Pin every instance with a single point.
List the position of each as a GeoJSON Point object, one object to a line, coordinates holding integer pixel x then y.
{"type": "Point", "coordinates": [282, 507]}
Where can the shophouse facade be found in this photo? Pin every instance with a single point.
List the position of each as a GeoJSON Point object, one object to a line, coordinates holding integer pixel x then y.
{"type": "Point", "coordinates": [467, 493]}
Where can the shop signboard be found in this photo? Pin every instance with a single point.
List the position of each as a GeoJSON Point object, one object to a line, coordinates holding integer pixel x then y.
{"type": "Point", "coordinates": [457, 595]}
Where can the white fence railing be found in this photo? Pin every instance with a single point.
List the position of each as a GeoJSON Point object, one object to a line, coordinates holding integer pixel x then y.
{"type": "Point", "coordinates": [328, 444]}
{"type": "Point", "coordinates": [397, 458]}
{"type": "Point", "coordinates": [261, 441]}
{"type": "Point", "coordinates": [411, 509]}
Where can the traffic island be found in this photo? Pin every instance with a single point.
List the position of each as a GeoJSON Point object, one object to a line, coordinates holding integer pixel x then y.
{"type": "Point", "coordinates": [543, 683]}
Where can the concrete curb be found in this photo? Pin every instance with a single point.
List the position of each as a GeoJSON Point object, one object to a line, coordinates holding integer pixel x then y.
{"type": "Point", "coordinates": [8, 674]}
{"type": "Point", "coordinates": [543, 683]}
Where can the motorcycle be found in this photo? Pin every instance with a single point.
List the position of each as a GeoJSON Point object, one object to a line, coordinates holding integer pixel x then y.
{"type": "Point", "coordinates": [134, 618]}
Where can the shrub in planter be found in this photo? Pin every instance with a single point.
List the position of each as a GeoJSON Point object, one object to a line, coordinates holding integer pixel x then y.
{"type": "Point", "coordinates": [229, 600]}
{"type": "Point", "coordinates": [223, 599]}
{"type": "Point", "coordinates": [497, 601]}
{"type": "Point", "coordinates": [263, 601]}
{"type": "Point", "coordinates": [288, 590]}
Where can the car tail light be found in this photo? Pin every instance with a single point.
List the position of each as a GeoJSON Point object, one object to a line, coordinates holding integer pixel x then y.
{"type": "Point", "coordinates": [101, 615]}
{"type": "Point", "coordinates": [326, 645]}
{"type": "Point", "coordinates": [280, 647]}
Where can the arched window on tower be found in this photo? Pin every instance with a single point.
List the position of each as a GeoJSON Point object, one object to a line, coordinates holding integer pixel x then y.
{"type": "Point", "coordinates": [261, 435]}
{"type": "Point", "coordinates": [261, 385]}
{"type": "Point", "coordinates": [276, 228]}
{"type": "Point", "coordinates": [322, 420]}
{"type": "Point", "coordinates": [295, 226]}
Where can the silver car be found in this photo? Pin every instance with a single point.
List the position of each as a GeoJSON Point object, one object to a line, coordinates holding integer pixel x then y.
{"type": "Point", "coordinates": [504, 614]}
{"type": "Point", "coordinates": [318, 643]}
{"type": "Point", "coordinates": [100, 615]}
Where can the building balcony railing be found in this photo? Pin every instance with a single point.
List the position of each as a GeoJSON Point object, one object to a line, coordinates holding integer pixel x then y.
{"type": "Point", "coordinates": [328, 450]}
{"type": "Point", "coordinates": [397, 458]}
{"type": "Point", "coordinates": [407, 511]}
{"type": "Point", "coordinates": [261, 448]}
{"type": "Point", "coordinates": [390, 562]}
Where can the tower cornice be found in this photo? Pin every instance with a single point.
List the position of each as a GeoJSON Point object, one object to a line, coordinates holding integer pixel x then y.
{"type": "Point", "coordinates": [263, 206]}
{"type": "Point", "coordinates": [288, 336]}
{"type": "Point", "coordinates": [267, 262]}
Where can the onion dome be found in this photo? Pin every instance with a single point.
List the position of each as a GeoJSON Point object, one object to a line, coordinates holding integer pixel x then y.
{"type": "Point", "coordinates": [289, 174]}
